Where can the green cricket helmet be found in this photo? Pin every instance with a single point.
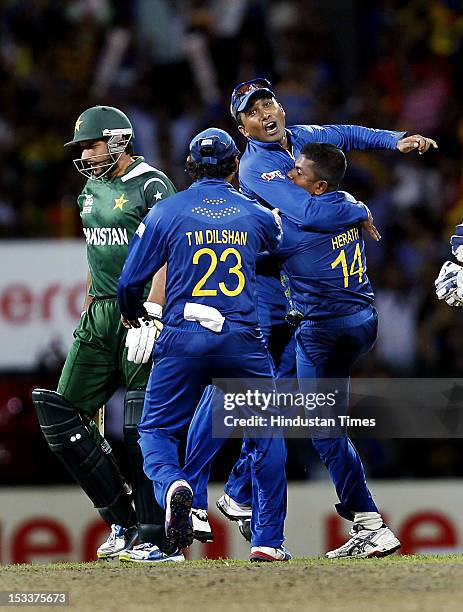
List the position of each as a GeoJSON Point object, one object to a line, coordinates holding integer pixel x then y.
{"type": "Point", "coordinates": [101, 123]}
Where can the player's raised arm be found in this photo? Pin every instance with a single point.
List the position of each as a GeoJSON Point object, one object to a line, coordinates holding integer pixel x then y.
{"type": "Point", "coordinates": [261, 119]}
{"type": "Point", "coordinates": [349, 137]}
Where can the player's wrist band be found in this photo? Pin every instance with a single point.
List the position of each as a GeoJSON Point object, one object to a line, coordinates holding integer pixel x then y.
{"type": "Point", "coordinates": [153, 309]}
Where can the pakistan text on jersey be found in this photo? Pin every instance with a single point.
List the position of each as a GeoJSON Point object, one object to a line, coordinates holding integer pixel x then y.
{"type": "Point", "coordinates": [341, 240]}
{"type": "Point", "coordinates": [102, 236]}
{"type": "Point", "coordinates": [215, 236]}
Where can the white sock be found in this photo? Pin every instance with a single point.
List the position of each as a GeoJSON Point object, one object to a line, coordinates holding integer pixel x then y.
{"type": "Point", "coordinates": [369, 520]}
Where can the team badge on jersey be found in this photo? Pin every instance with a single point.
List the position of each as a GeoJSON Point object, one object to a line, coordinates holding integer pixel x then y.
{"type": "Point", "coordinates": [268, 176]}
{"type": "Point", "coordinates": [88, 203]}
{"type": "Point", "coordinates": [119, 202]}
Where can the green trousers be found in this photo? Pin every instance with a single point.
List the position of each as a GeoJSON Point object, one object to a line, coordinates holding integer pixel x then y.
{"type": "Point", "coordinates": [97, 364]}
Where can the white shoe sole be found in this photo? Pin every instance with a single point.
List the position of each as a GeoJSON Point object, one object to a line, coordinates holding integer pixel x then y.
{"type": "Point", "coordinates": [104, 556]}
{"type": "Point", "coordinates": [383, 552]}
{"type": "Point", "coordinates": [232, 515]}
{"type": "Point", "coordinates": [150, 561]}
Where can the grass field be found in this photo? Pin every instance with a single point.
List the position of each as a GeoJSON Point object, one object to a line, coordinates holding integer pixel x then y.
{"type": "Point", "coordinates": [408, 583]}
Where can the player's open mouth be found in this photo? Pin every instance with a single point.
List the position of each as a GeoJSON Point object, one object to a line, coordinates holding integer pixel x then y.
{"type": "Point", "coordinates": [271, 128]}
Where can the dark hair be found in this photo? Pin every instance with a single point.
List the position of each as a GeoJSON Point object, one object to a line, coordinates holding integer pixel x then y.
{"type": "Point", "coordinates": [329, 162]}
{"type": "Point", "coordinates": [196, 170]}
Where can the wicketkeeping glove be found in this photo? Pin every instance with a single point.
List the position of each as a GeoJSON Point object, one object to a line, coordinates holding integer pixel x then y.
{"type": "Point", "coordinates": [140, 340]}
{"type": "Point", "coordinates": [457, 242]}
{"type": "Point", "coordinates": [449, 284]}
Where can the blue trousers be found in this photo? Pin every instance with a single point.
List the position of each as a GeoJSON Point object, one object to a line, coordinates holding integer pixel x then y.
{"type": "Point", "coordinates": [186, 361]}
{"type": "Point", "coordinates": [202, 447]}
{"type": "Point", "coordinates": [327, 350]}
{"type": "Point", "coordinates": [282, 346]}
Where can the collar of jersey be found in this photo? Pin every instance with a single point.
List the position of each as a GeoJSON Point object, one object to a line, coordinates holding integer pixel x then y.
{"type": "Point", "coordinates": [273, 146]}
{"type": "Point", "coordinates": [211, 181]}
{"type": "Point", "coordinates": [137, 160]}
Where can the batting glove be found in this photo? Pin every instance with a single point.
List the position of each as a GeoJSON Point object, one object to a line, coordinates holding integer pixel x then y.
{"type": "Point", "coordinates": [140, 340]}
{"type": "Point", "coordinates": [457, 242]}
{"type": "Point", "coordinates": [449, 284]}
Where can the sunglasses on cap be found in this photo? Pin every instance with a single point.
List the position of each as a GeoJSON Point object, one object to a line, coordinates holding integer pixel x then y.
{"type": "Point", "coordinates": [243, 91]}
{"type": "Point", "coordinates": [247, 86]}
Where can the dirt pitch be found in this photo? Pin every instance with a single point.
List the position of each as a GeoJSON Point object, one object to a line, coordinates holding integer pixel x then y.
{"type": "Point", "coordinates": [421, 583]}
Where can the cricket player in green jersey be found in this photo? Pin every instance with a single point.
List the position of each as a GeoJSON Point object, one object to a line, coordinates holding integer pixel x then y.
{"type": "Point", "coordinates": [120, 191]}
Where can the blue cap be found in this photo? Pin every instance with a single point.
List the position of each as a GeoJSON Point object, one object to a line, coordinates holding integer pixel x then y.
{"type": "Point", "coordinates": [244, 92]}
{"type": "Point", "coordinates": [212, 146]}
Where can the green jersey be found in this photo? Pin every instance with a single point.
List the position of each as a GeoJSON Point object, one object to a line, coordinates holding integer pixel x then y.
{"type": "Point", "coordinates": [111, 210]}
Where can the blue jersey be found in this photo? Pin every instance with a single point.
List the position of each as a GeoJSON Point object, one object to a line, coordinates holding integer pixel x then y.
{"type": "Point", "coordinates": [264, 165]}
{"type": "Point", "coordinates": [209, 235]}
{"type": "Point", "coordinates": [327, 271]}
{"type": "Point", "coordinates": [262, 176]}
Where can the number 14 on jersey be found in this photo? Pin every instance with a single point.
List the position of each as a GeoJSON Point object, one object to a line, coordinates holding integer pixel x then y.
{"type": "Point", "coordinates": [341, 259]}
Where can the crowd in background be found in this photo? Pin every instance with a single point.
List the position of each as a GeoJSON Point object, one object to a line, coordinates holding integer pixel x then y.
{"type": "Point", "coordinates": [171, 65]}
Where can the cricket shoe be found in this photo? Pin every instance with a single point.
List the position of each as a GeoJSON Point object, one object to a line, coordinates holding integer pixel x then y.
{"type": "Point", "coordinates": [244, 525]}
{"type": "Point", "coordinates": [267, 554]}
{"type": "Point", "coordinates": [119, 539]}
{"type": "Point", "coordinates": [149, 553]}
{"type": "Point", "coordinates": [232, 509]}
{"type": "Point", "coordinates": [367, 543]}
{"type": "Point", "coordinates": [202, 529]}
{"type": "Point", "coordinates": [179, 524]}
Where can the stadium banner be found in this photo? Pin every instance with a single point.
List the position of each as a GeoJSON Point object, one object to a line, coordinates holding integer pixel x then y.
{"type": "Point", "coordinates": [42, 290]}
{"type": "Point", "coordinates": [50, 524]}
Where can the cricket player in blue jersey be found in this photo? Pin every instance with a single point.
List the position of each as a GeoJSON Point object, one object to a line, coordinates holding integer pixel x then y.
{"type": "Point", "coordinates": [330, 289]}
{"type": "Point", "coordinates": [209, 236]}
{"type": "Point", "coordinates": [332, 295]}
{"type": "Point", "coordinates": [270, 154]}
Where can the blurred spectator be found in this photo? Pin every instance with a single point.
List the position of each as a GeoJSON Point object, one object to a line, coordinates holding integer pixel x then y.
{"type": "Point", "coordinates": [397, 306]}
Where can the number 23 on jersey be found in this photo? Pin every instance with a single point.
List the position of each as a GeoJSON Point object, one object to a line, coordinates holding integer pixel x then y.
{"type": "Point", "coordinates": [236, 282]}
